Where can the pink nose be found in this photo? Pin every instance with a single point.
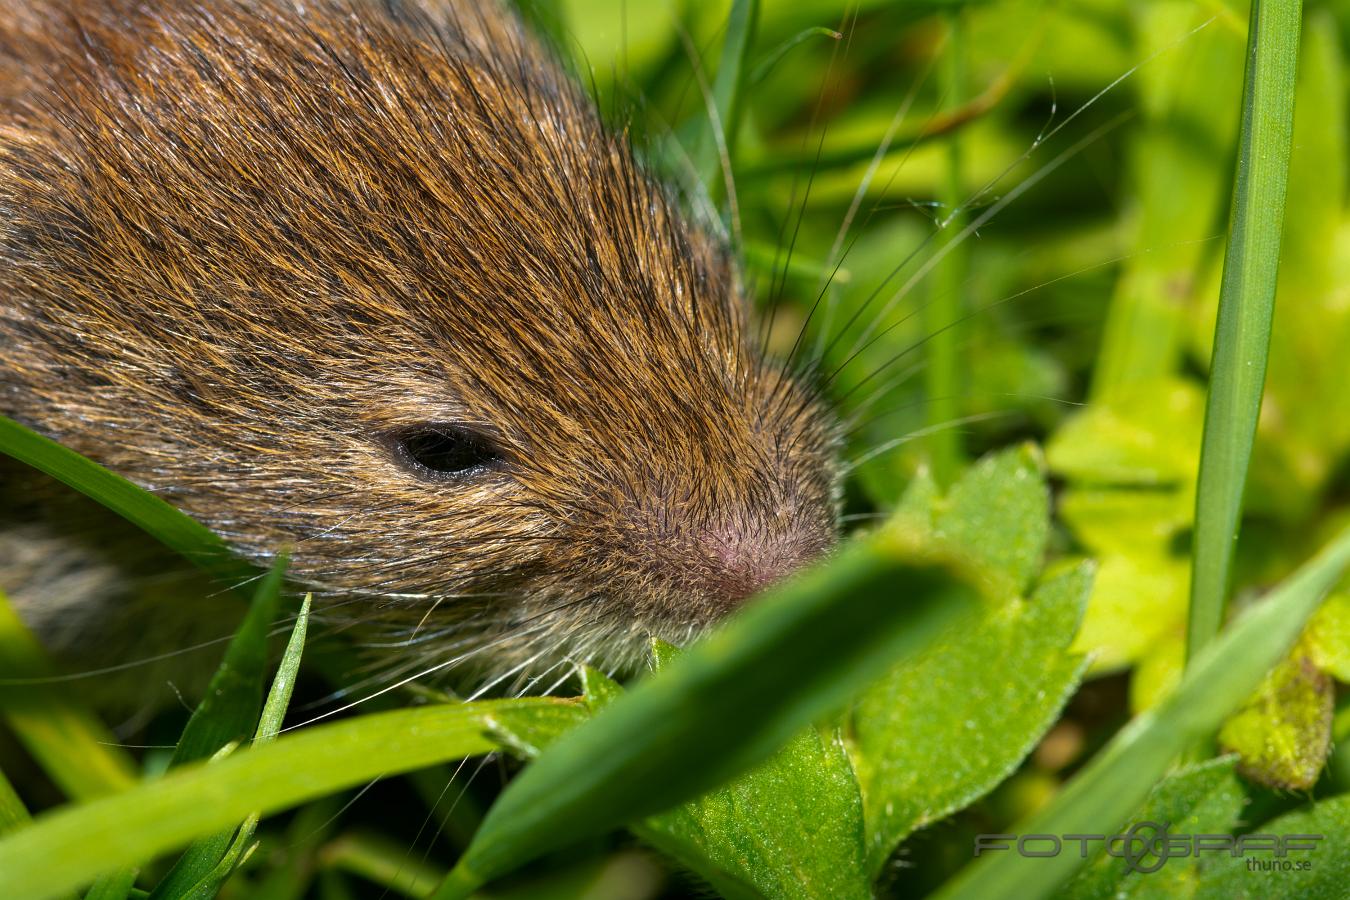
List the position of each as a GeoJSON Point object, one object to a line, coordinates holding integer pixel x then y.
{"type": "Point", "coordinates": [738, 562]}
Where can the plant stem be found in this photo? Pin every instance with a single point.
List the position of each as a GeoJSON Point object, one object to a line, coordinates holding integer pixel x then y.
{"type": "Point", "coordinates": [1246, 305]}
{"type": "Point", "coordinates": [942, 375]}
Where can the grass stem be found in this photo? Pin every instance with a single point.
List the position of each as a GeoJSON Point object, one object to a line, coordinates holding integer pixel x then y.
{"type": "Point", "coordinates": [1246, 306]}
{"type": "Point", "coordinates": [942, 375]}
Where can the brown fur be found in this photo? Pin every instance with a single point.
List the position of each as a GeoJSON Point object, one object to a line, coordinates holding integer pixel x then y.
{"type": "Point", "coordinates": [243, 245]}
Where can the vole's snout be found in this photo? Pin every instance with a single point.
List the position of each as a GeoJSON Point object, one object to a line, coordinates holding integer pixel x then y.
{"type": "Point", "coordinates": [699, 568]}
{"type": "Point", "coordinates": [740, 560]}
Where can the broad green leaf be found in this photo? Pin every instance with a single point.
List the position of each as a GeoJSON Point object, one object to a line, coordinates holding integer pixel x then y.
{"type": "Point", "coordinates": [1228, 878]}
{"type": "Point", "coordinates": [176, 530]}
{"type": "Point", "coordinates": [729, 702]}
{"type": "Point", "coordinates": [790, 827]}
{"type": "Point", "coordinates": [1284, 732]}
{"type": "Point", "coordinates": [1204, 799]}
{"type": "Point", "coordinates": [73, 747]}
{"type": "Point", "coordinates": [945, 729]}
{"type": "Point", "coordinates": [71, 846]}
{"type": "Point", "coordinates": [942, 730]}
{"type": "Point", "coordinates": [1120, 776]}
{"type": "Point", "coordinates": [998, 515]}
{"type": "Point", "coordinates": [1130, 462]}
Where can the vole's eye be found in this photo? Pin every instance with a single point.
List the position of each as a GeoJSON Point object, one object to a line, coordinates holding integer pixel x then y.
{"type": "Point", "coordinates": [443, 451]}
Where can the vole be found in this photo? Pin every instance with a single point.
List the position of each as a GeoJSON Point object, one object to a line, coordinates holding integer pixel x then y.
{"type": "Point", "coordinates": [371, 280]}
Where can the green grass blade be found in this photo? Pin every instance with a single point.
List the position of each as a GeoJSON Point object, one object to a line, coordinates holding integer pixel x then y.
{"type": "Point", "coordinates": [283, 685]}
{"type": "Point", "coordinates": [1246, 307]}
{"type": "Point", "coordinates": [229, 712]}
{"type": "Point", "coordinates": [382, 862]}
{"type": "Point", "coordinates": [177, 531]}
{"type": "Point", "coordinates": [230, 708]}
{"type": "Point", "coordinates": [1117, 780]}
{"type": "Point", "coordinates": [944, 310]}
{"type": "Point", "coordinates": [722, 120]}
{"type": "Point", "coordinates": [269, 726]}
{"type": "Point", "coordinates": [12, 811]}
{"type": "Point", "coordinates": [771, 59]}
{"type": "Point", "coordinates": [72, 746]}
{"type": "Point", "coordinates": [728, 703]}
{"type": "Point", "coordinates": [114, 886]}
{"type": "Point", "coordinates": [70, 847]}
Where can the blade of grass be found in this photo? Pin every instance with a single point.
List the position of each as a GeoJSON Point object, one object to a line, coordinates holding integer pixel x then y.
{"type": "Point", "coordinates": [722, 122]}
{"type": "Point", "coordinates": [383, 862]}
{"type": "Point", "coordinates": [943, 313]}
{"type": "Point", "coordinates": [269, 726]}
{"type": "Point", "coordinates": [229, 709]}
{"type": "Point", "coordinates": [293, 854]}
{"type": "Point", "coordinates": [765, 66]}
{"type": "Point", "coordinates": [730, 701]}
{"type": "Point", "coordinates": [1113, 784]}
{"type": "Point", "coordinates": [113, 886]}
{"type": "Point", "coordinates": [1246, 307]}
{"type": "Point", "coordinates": [12, 811]}
{"type": "Point", "coordinates": [229, 712]}
{"type": "Point", "coordinates": [69, 847]}
{"type": "Point", "coordinates": [177, 531]}
{"type": "Point", "coordinates": [72, 746]}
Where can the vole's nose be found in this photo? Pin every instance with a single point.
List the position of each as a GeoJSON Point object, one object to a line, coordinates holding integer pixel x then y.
{"type": "Point", "coordinates": [738, 560]}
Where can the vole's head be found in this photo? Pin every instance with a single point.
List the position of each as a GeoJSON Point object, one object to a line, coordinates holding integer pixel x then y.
{"type": "Point", "coordinates": [383, 289]}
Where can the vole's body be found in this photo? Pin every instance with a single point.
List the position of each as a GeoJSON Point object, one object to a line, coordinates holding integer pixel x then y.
{"type": "Point", "coordinates": [247, 249]}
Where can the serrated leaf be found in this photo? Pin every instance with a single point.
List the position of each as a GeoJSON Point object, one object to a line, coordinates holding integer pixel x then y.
{"type": "Point", "coordinates": [791, 827]}
{"type": "Point", "coordinates": [1131, 462]}
{"type": "Point", "coordinates": [1284, 732]}
{"type": "Point", "coordinates": [998, 514]}
{"type": "Point", "coordinates": [1204, 799]}
{"type": "Point", "coordinates": [1228, 877]}
{"type": "Point", "coordinates": [1118, 778]}
{"type": "Point", "coordinates": [938, 733]}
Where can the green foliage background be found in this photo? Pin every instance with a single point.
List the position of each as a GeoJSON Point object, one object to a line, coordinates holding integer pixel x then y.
{"type": "Point", "coordinates": [997, 230]}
